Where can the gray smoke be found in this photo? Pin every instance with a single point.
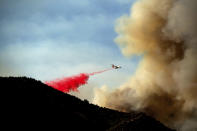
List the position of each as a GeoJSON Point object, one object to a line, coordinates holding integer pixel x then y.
{"type": "Point", "coordinates": [165, 83]}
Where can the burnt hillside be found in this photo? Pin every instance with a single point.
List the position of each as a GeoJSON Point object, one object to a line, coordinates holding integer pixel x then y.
{"type": "Point", "coordinates": [30, 104]}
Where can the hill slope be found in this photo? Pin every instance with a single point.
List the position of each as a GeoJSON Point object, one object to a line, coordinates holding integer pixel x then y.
{"type": "Point", "coordinates": [28, 103]}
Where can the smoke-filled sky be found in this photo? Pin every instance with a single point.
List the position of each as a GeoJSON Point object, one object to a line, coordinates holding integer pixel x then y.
{"type": "Point", "coordinates": [165, 82]}
{"type": "Point", "coordinates": [49, 39]}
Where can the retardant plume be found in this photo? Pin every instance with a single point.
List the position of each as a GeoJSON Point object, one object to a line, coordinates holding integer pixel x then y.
{"type": "Point", "coordinates": [98, 72]}
{"type": "Point", "coordinates": [69, 83]}
{"type": "Point", "coordinates": [165, 83]}
{"type": "Point", "coordinates": [72, 83]}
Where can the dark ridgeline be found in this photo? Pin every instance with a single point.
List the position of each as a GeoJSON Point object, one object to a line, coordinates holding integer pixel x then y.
{"type": "Point", "coordinates": [30, 104]}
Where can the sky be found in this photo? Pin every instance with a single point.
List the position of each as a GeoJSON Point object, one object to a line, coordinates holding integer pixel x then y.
{"type": "Point", "coordinates": [51, 39]}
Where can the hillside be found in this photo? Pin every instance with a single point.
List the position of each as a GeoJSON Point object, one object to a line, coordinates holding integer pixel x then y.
{"type": "Point", "coordinates": [30, 104]}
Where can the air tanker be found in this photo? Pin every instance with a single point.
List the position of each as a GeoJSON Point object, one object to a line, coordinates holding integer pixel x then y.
{"type": "Point", "coordinates": [115, 66]}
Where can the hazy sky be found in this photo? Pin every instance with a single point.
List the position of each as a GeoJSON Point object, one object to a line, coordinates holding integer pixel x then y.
{"type": "Point", "coordinates": [48, 39]}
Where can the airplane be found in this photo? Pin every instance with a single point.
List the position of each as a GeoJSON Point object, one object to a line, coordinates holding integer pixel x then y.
{"type": "Point", "coordinates": [115, 67]}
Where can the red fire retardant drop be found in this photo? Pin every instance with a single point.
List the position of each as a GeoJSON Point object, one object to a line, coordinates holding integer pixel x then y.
{"type": "Point", "coordinates": [69, 83]}
{"type": "Point", "coordinates": [98, 72]}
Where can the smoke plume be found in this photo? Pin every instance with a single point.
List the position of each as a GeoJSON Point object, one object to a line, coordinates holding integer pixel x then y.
{"type": "Point", "coordinates": [165, 83]}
